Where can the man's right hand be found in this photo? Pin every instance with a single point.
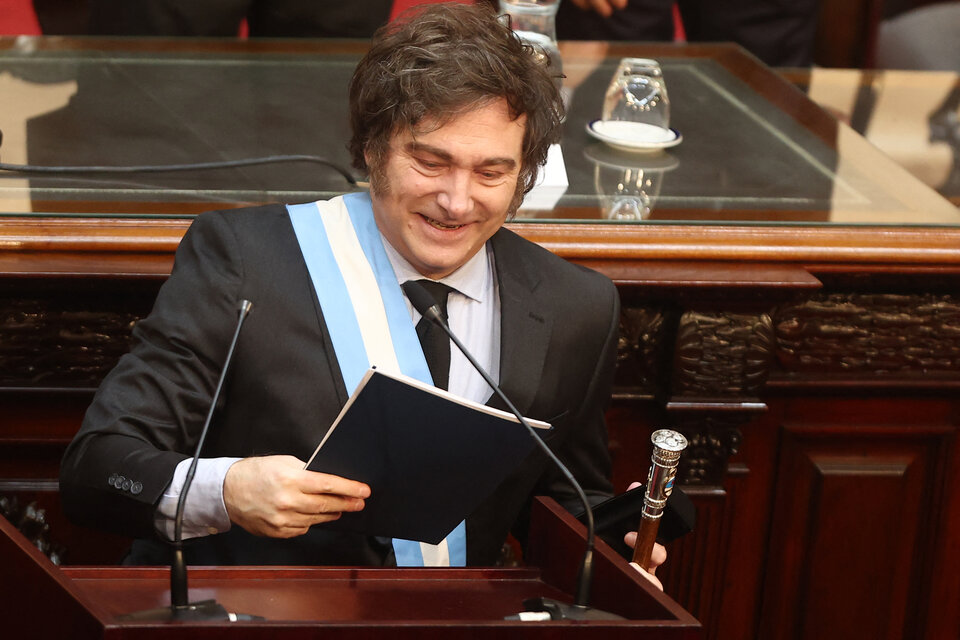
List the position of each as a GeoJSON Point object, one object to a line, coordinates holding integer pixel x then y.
{"type": "Point", "coordinates": [275, 496]}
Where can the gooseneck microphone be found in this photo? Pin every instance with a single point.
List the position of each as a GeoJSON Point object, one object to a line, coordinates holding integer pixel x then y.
{"type": "Point", "coordinates": [427, 306]}
{"type": "Point", "coordinates": [180, 606]}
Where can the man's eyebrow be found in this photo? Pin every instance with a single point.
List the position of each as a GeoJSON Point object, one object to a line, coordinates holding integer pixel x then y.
{"type": "Point", "coordinates": [413, 147]}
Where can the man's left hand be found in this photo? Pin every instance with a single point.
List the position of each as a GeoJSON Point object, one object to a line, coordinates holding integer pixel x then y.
{"type": "Point", "coordinates": [657, 557]}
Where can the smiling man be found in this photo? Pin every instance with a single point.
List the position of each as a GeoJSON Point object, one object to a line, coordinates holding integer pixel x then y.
{"type": "Point", "coordinates": [452, 117]}
{"type": "Point", "coordinates": [441, 194]}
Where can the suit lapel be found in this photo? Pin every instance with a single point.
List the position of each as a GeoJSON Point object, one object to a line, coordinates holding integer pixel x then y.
{"type": "Point", "coordinates": [524, 338]}
{"type": "Point", "coordinates": [327, 356]}
{"type": "Point", "coordinates": [525, 328]}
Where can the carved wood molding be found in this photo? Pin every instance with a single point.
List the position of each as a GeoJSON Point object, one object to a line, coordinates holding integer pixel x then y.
{"type": "Point", "coordinates": [712, 439]}
{"type": "Point", "coordinates": [641, 351]}
{"type": "Point", "coordinates": [871, 334]}
{"type": "Point", "coordinates": [722, 355]}
{"type": "Point", "coordinates": [48, 342]}
{"type": "Point", "coordinates": [31, 521]}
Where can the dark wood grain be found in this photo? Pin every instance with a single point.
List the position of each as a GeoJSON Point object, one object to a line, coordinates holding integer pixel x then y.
{"type": "Point", "coordinates": [337, 602]}
{"type": "Point", "coordinates": [646, 537]}
{"type": "Point", "coordinates": [855, 514]}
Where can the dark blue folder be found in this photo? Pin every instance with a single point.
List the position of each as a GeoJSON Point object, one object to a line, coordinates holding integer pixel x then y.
{"type": "Point", "coordinates": [429, 457]}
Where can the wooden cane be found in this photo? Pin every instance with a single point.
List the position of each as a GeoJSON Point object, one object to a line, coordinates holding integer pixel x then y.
{"type": "Point", "coordinates": [667, 447]}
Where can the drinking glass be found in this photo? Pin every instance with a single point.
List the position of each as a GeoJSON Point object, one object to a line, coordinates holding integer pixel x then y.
{"type": "Point", "coordinates": [637, 93]}
{"type": "Point", "coordinates": [534, 22]}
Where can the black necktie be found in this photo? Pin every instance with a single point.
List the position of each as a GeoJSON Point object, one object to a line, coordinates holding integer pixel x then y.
{"type": "Point", "coordinates": [433, 339]}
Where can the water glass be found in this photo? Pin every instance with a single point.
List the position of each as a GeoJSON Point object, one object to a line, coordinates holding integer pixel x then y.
{"type": "Point", "coordinates": [532, 16]}
{"type": "Point", "coordinates": [637, 93]}
{"type": "Point", "coordinates": [534, 22]}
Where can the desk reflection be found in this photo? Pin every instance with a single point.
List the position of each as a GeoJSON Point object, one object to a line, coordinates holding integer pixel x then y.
{"type": "Point", "coordinates": [628, 184]}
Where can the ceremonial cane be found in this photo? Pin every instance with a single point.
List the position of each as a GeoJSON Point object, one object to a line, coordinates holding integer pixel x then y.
{"type": "Point", "coordinates": [667, 447]}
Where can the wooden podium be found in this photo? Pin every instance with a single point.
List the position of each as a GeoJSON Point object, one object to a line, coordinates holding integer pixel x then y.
{"type": "Point", "coordinates": [45, 601]}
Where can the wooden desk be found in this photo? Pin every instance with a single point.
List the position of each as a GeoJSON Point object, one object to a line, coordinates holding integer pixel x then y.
{"type": "Point", "coordinates": [912, 116]}
{"type": "Point", "coordinates": [341, 602]}
{"type": "Point", "coordinates": [790, 302]}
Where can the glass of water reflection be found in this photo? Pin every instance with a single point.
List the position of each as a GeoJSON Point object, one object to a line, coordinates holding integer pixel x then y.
{"type": "Point", "coordinates": [637, 93]}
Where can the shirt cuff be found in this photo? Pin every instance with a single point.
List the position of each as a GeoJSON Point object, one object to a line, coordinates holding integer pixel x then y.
{"type": "Point", "coordinates": [205, 513]}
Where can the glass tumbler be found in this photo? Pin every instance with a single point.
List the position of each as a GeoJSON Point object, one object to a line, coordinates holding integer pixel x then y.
{"type": "Point", "coordinates": [637, 93]}
{"type": "Point", "coordinates": [534, 22]}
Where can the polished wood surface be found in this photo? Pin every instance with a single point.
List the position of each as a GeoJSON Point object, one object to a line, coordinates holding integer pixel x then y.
{"type": "Point", "coordinates": [299, 602]}
{"type": "Point", "coordinates": [646, 537]}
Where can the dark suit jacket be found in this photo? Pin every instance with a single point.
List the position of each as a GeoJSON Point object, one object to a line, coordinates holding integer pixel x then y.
{"type": "Point", "coordinates": [558, 343]}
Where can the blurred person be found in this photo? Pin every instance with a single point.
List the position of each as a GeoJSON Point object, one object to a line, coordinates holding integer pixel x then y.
{"type": "Point", "coordinates": [781, 34]}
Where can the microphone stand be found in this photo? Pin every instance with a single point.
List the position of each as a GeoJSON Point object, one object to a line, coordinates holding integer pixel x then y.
{"type": "Point", "coordinates": [180, 607]}
{"type": "Point", "coordinates": [427, 306]}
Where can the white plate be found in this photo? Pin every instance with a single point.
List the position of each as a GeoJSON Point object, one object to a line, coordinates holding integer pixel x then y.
{"type": "Point", "coordinates": [634, 136]}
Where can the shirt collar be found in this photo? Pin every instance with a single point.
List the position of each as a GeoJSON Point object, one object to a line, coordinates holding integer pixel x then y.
{"type": "Point", "coordinates": [471, 279]}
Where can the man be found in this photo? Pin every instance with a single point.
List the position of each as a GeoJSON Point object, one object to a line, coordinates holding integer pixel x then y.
{"type": "Point", "coordinates": [452, 117]}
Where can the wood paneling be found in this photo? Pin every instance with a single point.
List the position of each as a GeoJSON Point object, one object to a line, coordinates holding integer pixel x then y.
{"type": "Point", "coordinates": [691, 567]}
{"type": "Point", "coordinates": [855, 515]}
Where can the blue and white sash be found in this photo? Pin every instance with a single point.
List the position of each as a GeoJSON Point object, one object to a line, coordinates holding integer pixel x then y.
{"type": "Point", "coordinates": [367, 318]}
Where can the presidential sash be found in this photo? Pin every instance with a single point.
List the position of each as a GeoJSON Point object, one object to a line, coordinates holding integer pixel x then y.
{"type": "Point", "coordinates": [367, 319]}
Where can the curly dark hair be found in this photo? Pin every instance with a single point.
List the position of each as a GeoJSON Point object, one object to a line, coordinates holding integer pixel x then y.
{"type": "Point", "coordinates": [439, 61]}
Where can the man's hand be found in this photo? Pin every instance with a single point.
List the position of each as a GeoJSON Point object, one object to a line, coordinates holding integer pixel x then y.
{"type": "Point", "coordinates": [657, 557]}
{"type": "Point", "coordinates": [275, 496]}
{"type": "Point", "coordinates": [603, 7]}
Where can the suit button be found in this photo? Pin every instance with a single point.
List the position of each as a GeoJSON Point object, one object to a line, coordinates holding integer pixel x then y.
{"type": "Point", "coordinates": [112, 479]}
{"type": "Point", "coordinates": [126, 485]}
{"type": "Point", "coordinates": [118, 482]}
{"type": "Point", "coordinates": [136, 488]}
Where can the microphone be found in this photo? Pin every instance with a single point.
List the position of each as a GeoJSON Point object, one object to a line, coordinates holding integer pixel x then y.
{"type": "Point", "coordinates": [427, 306]}
{"type": "Point", "coordinates": [180, 606]}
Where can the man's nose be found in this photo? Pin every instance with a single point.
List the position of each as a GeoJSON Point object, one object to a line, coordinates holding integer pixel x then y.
{"type": "Point", "coordinates": [456, 195]}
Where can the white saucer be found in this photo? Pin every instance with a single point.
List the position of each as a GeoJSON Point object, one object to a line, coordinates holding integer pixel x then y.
{"type": "Point", "coordinates": [635, 137]}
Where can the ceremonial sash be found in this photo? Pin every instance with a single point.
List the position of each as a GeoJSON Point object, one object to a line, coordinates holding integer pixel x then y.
{"type": "Point", "coordinates": [367, 318]}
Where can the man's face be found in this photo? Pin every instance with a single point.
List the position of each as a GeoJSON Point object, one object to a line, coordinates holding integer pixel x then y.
{"type": "Point", "coordinates": [440, 195]}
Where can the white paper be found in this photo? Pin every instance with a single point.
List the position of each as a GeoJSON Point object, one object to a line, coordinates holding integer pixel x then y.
{"type": "Point", "coordinates": [551, 184]}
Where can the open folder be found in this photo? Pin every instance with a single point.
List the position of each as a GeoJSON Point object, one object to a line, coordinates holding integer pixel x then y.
{"type": "Point", "coordinates": [430, 457]}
